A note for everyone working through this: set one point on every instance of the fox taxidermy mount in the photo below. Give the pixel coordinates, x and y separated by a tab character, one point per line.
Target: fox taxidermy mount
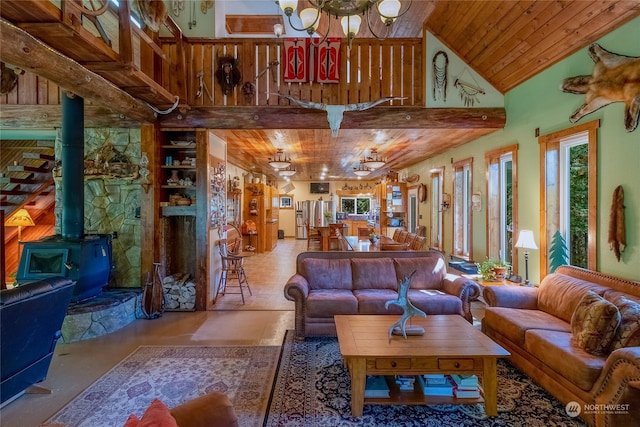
615	78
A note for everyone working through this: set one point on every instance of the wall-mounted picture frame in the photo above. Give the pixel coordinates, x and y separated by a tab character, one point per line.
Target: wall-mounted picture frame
286	201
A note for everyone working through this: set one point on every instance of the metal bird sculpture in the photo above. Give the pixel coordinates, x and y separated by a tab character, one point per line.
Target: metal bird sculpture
409	309
335	112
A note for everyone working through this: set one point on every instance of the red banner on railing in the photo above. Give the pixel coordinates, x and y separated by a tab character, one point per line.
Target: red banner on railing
296	60
327	61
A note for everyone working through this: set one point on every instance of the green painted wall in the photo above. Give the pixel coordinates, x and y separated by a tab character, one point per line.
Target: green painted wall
539	103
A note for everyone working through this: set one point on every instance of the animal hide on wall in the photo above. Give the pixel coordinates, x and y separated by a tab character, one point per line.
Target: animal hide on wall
228	75
617	231
152	12
615	78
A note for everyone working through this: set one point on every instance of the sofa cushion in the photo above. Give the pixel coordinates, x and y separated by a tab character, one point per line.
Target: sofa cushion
514	322
559	352
372	301
435	304
329	302
560	294
594	323
328	273
628	333
374	273
430	271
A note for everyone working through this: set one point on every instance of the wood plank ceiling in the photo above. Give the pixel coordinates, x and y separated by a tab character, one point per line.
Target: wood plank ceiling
506	42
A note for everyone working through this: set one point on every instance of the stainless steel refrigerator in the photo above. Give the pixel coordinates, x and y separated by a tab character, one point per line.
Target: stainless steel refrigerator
313	212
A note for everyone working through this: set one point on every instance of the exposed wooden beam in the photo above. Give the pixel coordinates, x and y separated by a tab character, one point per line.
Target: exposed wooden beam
50	117
301	118
21	49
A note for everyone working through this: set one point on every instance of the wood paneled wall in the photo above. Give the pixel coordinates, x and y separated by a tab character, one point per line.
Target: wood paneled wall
32	90
370	70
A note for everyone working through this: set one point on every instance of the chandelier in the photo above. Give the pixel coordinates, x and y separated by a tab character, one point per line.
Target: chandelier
288	171
348	10
361	170
374	161
279	161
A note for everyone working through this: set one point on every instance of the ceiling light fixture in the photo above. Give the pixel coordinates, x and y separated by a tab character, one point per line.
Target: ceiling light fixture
279	161
349	10
289	171
361	170
374	161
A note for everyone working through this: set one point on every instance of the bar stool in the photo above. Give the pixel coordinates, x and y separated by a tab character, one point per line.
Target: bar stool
232	268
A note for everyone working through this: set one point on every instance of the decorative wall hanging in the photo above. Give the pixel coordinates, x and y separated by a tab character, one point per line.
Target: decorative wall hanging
152	12
228	75
336	112
205	5
327	61
615	78
617	231
296	60
8	79
440	70
177	6
468	91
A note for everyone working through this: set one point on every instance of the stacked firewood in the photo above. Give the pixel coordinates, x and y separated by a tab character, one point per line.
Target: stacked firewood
180	292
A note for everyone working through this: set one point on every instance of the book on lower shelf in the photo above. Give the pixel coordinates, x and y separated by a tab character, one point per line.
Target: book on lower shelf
430	389
376	386
465	381
466	393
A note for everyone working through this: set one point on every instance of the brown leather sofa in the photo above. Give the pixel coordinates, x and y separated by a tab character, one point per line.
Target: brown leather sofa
330	283
534	324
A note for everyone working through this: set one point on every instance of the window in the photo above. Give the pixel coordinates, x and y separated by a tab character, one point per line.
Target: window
437	178
568	182
462	208
286	202
502	203
355	205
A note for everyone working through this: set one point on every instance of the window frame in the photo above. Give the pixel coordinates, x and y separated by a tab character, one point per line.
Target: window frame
355	203
548	144
462	229
437	214
495	157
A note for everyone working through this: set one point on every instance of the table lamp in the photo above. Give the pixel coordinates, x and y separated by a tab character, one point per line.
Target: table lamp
526	241
20	219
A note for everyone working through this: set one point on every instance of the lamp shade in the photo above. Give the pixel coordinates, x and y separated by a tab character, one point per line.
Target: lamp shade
20	219
526	240
351	25
310	18
389	10
288	6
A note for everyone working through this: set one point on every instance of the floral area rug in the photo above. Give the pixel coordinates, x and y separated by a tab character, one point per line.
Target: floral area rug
312	388
175	375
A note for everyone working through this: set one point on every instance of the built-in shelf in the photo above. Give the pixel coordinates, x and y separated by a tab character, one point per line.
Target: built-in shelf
179	210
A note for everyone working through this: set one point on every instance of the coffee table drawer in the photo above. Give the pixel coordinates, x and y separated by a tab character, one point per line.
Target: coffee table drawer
402	363
457	363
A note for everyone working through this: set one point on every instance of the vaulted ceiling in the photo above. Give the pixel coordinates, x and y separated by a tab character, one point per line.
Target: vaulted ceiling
506	42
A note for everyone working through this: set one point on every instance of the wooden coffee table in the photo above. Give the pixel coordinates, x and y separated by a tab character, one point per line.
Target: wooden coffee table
450	345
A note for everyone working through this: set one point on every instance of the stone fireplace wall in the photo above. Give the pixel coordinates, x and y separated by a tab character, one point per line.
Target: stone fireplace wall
111	196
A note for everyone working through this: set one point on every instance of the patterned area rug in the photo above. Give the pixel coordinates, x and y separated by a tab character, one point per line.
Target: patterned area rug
312	388
175	375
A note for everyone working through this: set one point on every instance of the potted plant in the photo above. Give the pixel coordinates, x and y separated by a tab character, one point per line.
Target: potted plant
373	237
493	270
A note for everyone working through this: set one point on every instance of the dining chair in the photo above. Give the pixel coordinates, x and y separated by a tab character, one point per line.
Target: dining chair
410	238
364	231
396	234
335	231
313	235
418	243
402	236
232	268
344	243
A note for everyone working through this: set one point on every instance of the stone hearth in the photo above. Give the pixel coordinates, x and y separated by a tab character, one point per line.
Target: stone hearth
106	313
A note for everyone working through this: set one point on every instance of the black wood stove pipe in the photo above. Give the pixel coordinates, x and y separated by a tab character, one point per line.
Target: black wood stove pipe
72	157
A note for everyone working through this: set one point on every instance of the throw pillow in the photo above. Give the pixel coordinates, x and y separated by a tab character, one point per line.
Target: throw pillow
156	415
628	334
594	323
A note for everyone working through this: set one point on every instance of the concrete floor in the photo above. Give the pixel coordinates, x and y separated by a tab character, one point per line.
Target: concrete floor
263	320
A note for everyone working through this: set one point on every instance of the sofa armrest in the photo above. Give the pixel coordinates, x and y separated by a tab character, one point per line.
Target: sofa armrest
465	289
511	297
619	384
297	290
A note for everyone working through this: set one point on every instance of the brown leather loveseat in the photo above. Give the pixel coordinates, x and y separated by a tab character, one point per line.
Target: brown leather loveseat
558	335
330	283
